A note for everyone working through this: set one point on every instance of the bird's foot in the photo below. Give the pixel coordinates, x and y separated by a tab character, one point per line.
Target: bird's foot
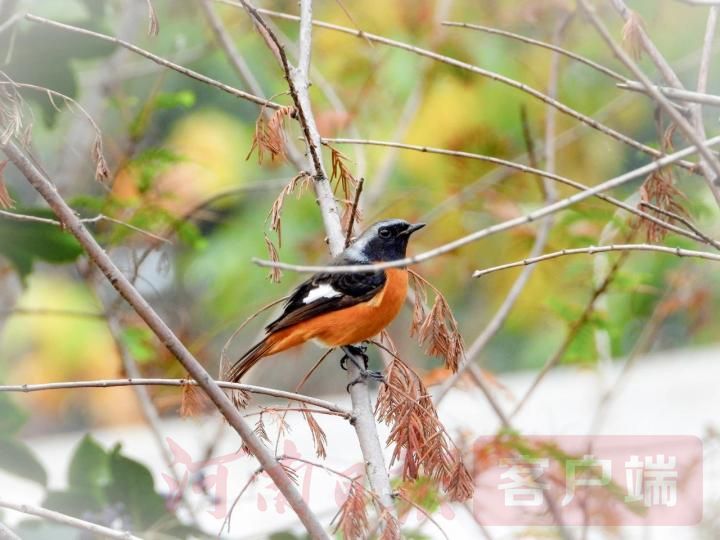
353	353
364	376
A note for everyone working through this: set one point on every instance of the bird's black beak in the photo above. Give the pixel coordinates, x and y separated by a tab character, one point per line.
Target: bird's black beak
412	228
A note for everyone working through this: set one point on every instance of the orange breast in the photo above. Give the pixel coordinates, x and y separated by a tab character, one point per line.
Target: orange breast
350	325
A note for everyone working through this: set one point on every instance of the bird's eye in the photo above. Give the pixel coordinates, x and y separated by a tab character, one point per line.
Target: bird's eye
384	233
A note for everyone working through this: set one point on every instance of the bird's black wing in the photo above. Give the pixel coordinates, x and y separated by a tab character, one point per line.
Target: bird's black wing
325	292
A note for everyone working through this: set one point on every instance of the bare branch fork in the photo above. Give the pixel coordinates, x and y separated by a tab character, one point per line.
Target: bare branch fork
158	60
485	73
298	82
538	172
504	226
126	289
710	163
592	250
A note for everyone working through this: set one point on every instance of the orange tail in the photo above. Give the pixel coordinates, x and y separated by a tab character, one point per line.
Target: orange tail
249	359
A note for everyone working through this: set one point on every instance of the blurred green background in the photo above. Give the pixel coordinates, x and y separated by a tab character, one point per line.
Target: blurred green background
172	143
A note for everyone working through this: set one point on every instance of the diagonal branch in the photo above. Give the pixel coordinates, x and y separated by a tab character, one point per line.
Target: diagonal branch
569	111
538	172
550	46
500	227
64	519
158	60
710	164
592	250
298	82
125	288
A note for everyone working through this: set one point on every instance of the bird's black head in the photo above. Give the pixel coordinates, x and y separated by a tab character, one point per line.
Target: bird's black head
384	241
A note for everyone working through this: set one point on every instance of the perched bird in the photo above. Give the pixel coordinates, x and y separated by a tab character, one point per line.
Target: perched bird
342	309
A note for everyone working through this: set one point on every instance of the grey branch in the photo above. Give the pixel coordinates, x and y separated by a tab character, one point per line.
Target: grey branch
674	93
532	170
158	60
592	250
550	46
113	383
70	521
485	73
500	227
125	288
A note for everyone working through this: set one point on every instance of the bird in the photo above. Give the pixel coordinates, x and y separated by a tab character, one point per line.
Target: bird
342	309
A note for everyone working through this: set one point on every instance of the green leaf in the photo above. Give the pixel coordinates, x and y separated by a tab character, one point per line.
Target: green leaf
170	100
132	484
12	417
89	469
18	459
22	243
139	343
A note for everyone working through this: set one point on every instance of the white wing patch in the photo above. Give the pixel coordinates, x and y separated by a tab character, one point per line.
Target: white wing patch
321	291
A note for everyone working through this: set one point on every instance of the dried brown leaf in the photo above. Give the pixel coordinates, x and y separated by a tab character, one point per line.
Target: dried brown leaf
659	190
193	400
460	486
291	473
353	518
341	173
318	435
421	444
632	35
260	431
440	335
240	398
391	527
102	171
298	184
6	201
275	274
270	134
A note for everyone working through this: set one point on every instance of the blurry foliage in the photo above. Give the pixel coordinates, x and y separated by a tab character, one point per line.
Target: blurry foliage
173	143
24	243
108	488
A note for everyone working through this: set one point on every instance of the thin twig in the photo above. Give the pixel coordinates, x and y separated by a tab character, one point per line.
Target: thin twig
410	108
100	217
574	329
500	227
653	52
70	521
298	82
704	68
485	73
682	219
599	67
592	250
353	212
543	235
112	383
525	169
674	93
158	60
125	288
710	163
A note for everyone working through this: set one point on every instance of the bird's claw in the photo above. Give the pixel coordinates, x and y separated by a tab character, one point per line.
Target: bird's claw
364	376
